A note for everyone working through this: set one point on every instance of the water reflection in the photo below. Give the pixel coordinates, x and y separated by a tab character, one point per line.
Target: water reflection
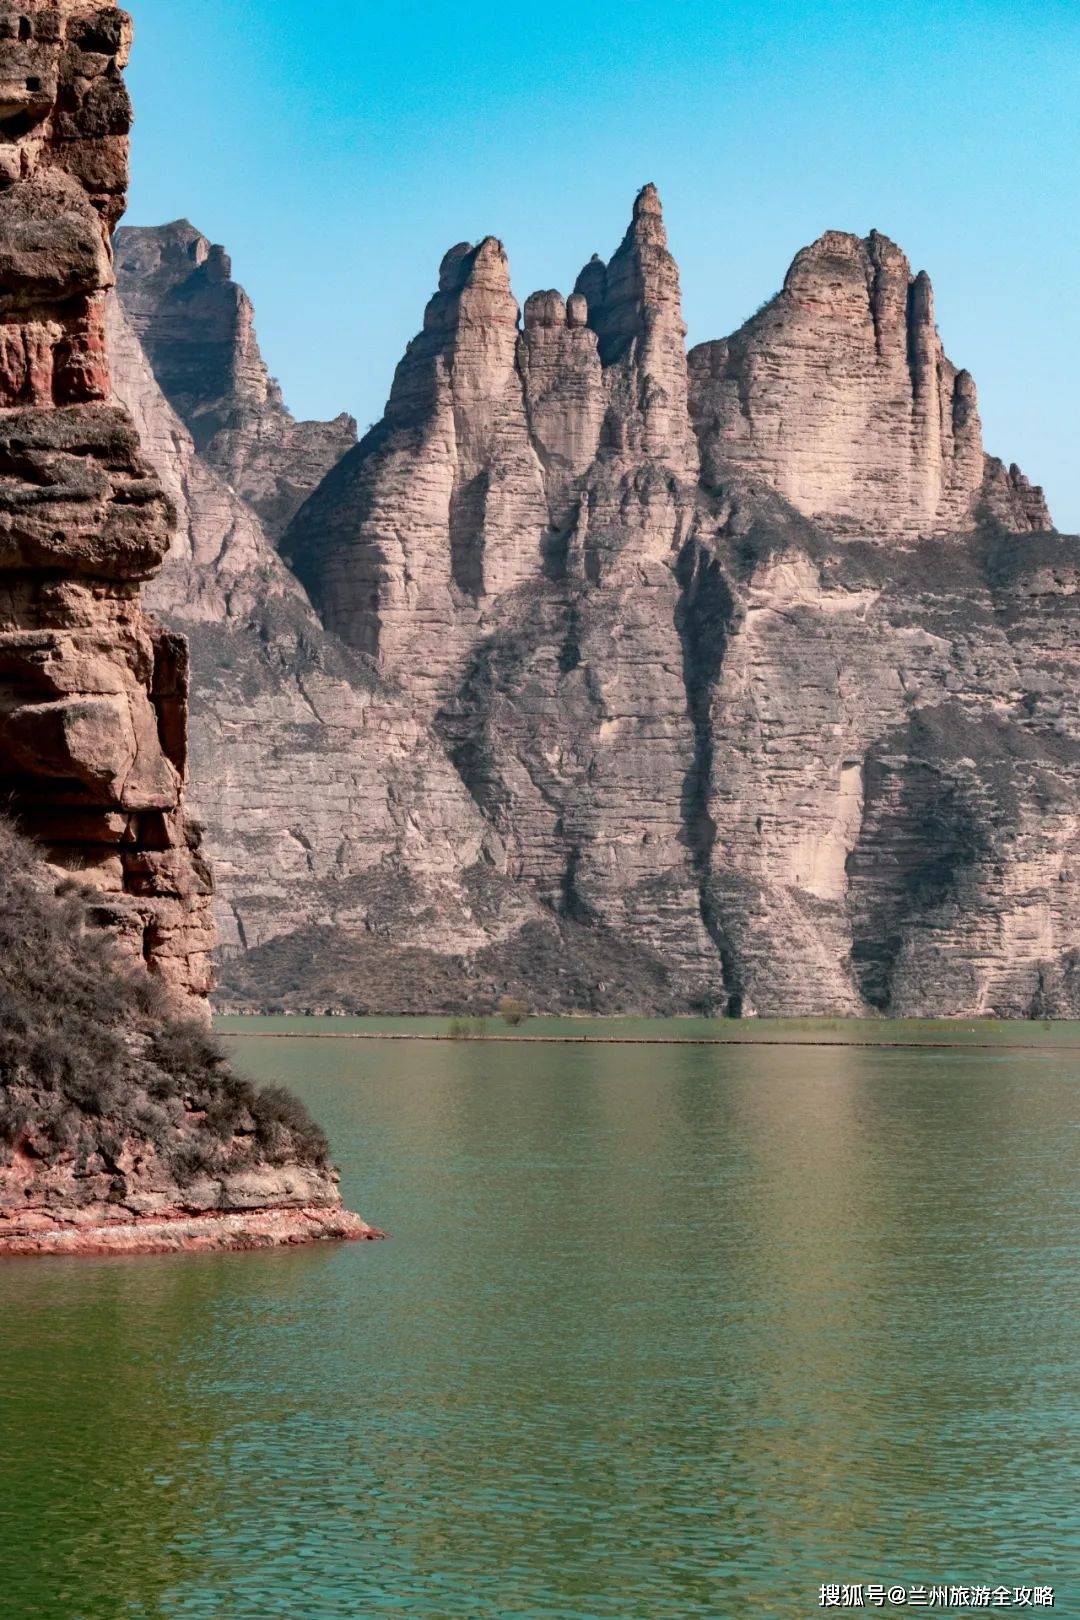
660	1332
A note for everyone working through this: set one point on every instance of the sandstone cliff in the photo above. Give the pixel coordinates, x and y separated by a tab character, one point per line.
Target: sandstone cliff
93	694
198	329
755	671
838	394
93	737
352	864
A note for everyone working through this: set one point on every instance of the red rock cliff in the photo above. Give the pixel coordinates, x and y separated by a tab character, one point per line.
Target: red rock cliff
121	1127
93	693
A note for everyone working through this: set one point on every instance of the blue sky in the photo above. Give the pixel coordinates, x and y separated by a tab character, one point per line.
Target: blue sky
338	147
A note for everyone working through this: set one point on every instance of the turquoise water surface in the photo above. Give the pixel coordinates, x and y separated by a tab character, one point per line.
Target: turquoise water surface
660	1331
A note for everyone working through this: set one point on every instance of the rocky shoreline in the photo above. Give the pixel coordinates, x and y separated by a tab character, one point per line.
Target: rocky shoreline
95	1232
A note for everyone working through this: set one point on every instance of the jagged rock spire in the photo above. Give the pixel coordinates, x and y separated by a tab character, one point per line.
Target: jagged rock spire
467	343
678	710
640	281
197	326
635	309
443	505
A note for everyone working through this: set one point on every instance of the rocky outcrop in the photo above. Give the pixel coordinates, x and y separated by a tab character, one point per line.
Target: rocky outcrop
122	1128
501	546
353	867
93	694
120	1125
838	394
198	328
325	796
443	503
698	732
892	779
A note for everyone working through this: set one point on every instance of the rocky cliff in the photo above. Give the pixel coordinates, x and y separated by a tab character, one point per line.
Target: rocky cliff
838	394
352	864
93	738
198	330
746	679
93	694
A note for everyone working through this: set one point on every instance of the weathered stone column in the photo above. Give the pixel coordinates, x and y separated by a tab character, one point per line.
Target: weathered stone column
93	693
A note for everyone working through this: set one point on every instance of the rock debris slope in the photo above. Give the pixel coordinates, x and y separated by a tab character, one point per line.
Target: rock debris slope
121	1128
755	670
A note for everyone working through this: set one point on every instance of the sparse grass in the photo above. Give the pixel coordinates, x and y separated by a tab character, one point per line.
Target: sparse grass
92	1057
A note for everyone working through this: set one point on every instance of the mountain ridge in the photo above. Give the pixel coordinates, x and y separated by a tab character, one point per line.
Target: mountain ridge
735	734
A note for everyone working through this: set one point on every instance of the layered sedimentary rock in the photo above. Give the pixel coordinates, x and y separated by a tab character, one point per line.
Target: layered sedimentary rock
892	778
444	501
198	328
120	1125
768	710
501	544
353	867
838	394
93	694
328	802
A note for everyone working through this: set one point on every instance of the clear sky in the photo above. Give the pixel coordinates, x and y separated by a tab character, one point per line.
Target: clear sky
338	147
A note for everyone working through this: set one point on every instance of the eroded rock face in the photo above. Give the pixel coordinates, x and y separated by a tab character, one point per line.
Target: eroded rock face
93	694
321	789
686	729
121	1127
443	503
838	394
502	544
352	864
198	328
893	758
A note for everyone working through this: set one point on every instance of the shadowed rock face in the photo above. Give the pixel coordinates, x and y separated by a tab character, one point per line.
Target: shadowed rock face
839	395
729	737
93	694
198	328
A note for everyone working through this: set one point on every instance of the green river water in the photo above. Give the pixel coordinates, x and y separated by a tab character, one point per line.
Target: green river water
660	1331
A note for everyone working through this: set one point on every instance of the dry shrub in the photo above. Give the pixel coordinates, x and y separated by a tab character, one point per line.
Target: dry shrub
90	1051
